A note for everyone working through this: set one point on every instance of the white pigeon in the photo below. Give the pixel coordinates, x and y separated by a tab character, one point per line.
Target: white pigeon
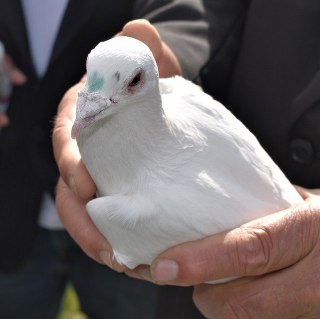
170	163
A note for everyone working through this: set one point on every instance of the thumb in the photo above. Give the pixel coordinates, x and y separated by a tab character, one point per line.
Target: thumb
144	31
17	77
261	246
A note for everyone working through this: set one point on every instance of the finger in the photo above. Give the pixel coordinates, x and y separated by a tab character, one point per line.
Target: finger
66	150
286	294
17	77
144	31
4	120
74	216
308	193
253	249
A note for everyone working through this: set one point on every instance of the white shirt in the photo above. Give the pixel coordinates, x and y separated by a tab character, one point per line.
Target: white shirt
43	19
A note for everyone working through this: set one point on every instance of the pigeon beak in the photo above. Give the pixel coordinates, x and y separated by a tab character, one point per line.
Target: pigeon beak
89	106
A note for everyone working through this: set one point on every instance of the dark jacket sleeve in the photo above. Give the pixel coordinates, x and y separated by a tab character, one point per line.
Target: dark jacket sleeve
182	25
226	21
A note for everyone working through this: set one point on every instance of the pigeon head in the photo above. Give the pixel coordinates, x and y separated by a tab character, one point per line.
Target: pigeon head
120	71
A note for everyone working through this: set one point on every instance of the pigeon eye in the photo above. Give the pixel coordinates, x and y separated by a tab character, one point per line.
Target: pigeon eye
135	81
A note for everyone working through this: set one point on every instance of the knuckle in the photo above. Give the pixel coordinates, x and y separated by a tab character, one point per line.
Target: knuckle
252	250
191	272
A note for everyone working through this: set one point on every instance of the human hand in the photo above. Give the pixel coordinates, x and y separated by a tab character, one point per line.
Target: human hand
277	256
17	77
75	187
142	30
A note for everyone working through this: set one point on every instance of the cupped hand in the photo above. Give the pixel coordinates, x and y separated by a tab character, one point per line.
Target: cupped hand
277	258
76	187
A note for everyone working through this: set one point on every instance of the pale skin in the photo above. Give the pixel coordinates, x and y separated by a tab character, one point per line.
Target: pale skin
277	256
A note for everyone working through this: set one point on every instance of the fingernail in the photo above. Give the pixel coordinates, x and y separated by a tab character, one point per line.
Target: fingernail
105	258
164	270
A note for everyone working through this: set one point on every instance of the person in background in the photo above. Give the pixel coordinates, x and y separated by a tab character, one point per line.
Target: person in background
48	42
264	67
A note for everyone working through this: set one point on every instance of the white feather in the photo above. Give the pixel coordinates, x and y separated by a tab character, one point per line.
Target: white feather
170	163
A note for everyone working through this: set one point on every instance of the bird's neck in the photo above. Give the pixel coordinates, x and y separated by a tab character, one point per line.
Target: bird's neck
127	145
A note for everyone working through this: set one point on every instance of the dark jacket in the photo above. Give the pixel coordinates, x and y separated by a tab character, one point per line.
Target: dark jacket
27	166
264	66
